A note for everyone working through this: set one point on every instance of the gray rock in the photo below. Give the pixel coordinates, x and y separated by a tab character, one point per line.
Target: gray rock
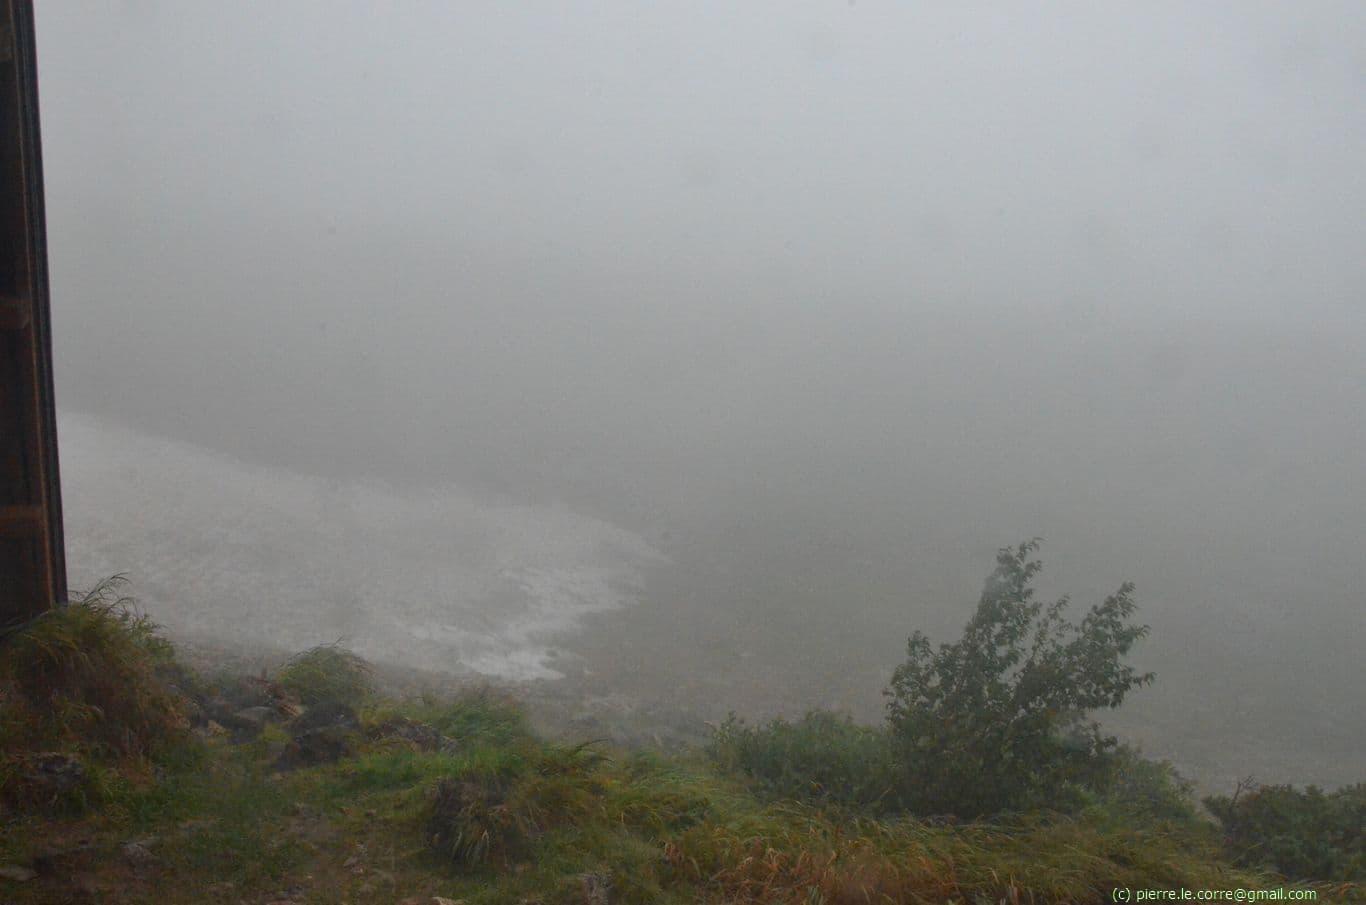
254	718
53	772
320	735
421	735
324	715
16	873
138	853
245	723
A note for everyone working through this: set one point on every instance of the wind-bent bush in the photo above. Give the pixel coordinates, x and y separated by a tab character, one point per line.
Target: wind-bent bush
1137	791
996	721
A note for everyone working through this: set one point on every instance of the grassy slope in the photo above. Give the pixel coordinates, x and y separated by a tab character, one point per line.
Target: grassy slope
515	818
224	827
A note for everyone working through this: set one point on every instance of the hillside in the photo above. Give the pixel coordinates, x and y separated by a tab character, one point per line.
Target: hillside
132	777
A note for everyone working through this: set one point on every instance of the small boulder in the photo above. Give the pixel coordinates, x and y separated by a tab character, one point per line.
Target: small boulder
420	735
254	718
324	715
247	723
138	853
320	735
50	774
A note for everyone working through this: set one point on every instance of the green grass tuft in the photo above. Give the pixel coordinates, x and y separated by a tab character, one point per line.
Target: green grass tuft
83	679
480	715
496	812
822	759
328	672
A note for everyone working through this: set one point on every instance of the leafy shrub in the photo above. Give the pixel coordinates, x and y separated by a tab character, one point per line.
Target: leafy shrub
1138	791
995	721
823	759
328	672
1305	835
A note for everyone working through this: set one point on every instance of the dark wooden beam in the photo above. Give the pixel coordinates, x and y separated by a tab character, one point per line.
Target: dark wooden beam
32	557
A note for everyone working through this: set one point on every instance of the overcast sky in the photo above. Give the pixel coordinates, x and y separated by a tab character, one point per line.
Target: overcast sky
870	288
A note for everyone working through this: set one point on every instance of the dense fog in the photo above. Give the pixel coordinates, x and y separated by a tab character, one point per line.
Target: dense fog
711	349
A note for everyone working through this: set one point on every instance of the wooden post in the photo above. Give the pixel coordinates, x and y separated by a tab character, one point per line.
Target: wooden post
32	558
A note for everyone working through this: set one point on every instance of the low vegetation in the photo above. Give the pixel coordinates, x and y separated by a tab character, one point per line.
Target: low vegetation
997	721
824	759
1299	832
88	681
456	797
991	724
328	672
